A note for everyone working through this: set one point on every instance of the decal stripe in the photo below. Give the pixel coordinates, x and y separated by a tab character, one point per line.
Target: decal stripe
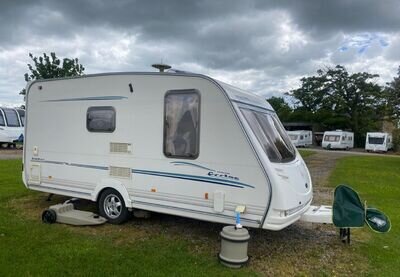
206	179
192	164
201	178
94	98
184	177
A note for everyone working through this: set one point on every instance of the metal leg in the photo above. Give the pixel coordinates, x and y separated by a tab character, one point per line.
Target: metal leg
344	234
49	197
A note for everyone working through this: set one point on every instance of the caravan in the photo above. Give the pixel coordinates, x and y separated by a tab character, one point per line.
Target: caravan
154	142
301	138
11	125
338	140
378	142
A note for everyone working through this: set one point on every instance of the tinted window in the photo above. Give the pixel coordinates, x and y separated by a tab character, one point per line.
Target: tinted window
271	135
181	124
376	140
331	138
100	119
2	122
11	117
22	116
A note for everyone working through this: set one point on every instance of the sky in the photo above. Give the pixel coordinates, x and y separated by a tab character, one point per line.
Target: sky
261	46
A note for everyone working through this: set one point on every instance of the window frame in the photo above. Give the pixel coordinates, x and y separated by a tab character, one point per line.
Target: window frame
177	92
99	108
6	118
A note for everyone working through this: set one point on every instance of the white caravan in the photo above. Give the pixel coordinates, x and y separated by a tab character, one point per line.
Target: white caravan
11	125
338	140
175	143
301	138
378	142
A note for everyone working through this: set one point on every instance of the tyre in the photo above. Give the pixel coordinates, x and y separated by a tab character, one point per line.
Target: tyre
112	206
49	216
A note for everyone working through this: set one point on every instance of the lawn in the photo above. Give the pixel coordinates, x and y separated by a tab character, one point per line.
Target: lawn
166	245
28	247
377	179
305	153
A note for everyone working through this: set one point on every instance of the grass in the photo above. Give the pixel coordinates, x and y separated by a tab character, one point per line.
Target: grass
306	153
166	245
377	179
28	247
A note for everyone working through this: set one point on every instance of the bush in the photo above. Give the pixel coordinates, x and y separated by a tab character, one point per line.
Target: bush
396	140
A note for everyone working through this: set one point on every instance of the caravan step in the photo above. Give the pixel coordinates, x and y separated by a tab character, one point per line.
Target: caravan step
318	214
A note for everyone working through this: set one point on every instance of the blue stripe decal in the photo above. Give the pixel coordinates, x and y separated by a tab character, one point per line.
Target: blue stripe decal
192	164
94	98
194	178
206	179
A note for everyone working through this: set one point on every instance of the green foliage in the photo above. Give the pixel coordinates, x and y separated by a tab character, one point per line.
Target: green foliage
337	99
280	106
393	94
396	139
48	67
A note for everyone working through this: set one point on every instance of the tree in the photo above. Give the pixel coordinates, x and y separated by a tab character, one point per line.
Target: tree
280	106
393	94
338	99
48	67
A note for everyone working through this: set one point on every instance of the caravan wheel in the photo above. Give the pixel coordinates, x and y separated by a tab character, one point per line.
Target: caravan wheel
112	206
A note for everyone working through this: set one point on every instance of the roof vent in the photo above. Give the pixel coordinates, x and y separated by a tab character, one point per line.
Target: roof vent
161	66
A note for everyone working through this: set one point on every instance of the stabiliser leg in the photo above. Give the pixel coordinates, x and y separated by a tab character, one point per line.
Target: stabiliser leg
344	234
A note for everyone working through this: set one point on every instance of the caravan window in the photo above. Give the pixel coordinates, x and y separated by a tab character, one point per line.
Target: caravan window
22	116
11	117
271	135
182	124
376	140
100	119
2	122
332	138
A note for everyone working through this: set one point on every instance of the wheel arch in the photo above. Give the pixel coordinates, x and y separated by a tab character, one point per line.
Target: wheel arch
113	184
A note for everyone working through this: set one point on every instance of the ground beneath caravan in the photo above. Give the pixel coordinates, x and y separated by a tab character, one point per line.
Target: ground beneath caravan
301	249
10	154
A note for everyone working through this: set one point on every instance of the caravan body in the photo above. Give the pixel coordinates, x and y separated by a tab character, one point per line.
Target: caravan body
11	125
378	142
301	138
338	140
175	143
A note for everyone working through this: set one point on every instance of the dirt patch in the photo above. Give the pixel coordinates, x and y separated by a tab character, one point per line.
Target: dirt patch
10	153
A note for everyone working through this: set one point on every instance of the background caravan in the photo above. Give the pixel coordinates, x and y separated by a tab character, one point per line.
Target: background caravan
175	143
338	140
378	142
301	138
11	125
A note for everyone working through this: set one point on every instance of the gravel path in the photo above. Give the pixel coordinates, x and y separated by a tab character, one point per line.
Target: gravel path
10	154
320	166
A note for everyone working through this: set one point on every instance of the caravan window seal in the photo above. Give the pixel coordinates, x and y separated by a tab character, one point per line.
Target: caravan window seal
197	137
3	122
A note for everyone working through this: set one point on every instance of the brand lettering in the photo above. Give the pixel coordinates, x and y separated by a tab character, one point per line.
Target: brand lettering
222	175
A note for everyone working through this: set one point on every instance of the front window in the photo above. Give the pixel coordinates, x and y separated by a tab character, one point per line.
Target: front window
332	138
2	122
271	135
22	116
11	117
376	140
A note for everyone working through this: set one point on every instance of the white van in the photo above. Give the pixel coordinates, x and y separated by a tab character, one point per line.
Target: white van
378	142
11	125
301	138
174	143
338	140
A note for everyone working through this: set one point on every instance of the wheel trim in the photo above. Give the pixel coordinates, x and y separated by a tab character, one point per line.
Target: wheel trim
112	206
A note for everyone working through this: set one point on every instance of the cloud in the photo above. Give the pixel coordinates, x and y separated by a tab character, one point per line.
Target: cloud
262	46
